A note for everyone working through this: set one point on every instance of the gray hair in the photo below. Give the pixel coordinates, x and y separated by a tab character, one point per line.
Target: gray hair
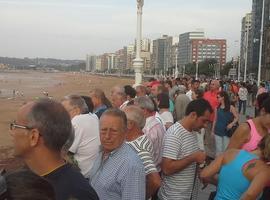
117	113
145	103
77	101
135	114
119	90
52	121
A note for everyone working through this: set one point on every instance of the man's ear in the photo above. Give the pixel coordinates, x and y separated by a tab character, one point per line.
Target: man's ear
34	137
130	124
193	115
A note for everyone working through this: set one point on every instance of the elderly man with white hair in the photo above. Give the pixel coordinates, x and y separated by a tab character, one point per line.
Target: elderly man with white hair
119	97
86	142
153	129
143	146
181	102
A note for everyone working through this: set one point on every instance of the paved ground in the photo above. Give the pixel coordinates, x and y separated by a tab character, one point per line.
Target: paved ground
204	194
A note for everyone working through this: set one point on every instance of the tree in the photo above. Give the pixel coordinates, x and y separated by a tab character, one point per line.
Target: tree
206	67
226	68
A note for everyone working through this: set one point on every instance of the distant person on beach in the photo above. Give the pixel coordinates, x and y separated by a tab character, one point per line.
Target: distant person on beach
39	133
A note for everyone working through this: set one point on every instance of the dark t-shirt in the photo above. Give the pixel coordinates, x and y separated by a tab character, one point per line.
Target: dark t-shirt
69	183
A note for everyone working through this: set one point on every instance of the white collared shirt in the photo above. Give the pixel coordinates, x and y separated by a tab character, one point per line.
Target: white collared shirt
86	141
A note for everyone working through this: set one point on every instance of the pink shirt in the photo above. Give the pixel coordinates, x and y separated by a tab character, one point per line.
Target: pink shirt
255	137
154	130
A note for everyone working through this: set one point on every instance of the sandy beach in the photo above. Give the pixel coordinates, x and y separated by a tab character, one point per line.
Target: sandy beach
30	85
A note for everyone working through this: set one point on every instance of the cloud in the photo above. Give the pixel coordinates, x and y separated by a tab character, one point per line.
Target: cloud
72	28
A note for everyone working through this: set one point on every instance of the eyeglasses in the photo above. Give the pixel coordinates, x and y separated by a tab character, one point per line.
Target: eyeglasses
13	125
3	185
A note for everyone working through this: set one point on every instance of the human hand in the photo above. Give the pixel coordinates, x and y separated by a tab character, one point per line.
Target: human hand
199	157
229	126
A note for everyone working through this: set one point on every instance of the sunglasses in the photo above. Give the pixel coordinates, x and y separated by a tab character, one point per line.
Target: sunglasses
13	126
3	185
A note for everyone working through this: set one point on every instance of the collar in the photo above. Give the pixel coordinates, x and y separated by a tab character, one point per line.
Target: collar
102	107
112	153
124	104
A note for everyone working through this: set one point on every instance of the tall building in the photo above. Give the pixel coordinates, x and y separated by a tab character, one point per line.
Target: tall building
121	59
209	49
257	6
246	42
87	63
184	47
174	56
145	53
130	55
104	62
111	62
98	63
145	45
90	63
162	51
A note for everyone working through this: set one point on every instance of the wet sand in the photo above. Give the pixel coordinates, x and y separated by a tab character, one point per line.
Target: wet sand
30	85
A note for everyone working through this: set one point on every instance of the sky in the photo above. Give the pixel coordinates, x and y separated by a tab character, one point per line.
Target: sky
70	29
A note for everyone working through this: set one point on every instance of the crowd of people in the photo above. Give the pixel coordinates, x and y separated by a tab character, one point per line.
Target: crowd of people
162	140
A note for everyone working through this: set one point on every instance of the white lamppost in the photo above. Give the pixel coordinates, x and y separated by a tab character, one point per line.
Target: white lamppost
184	70
176	64
239	68
138	61
261	43
246	55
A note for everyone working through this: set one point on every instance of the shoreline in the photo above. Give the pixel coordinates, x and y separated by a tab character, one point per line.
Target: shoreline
32	84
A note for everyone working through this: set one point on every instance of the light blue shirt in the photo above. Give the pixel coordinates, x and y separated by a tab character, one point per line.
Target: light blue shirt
121	176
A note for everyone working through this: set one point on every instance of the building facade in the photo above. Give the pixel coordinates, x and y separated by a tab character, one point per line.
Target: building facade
90	63
257	6
162	51
184	46
130	55
246	43
203	49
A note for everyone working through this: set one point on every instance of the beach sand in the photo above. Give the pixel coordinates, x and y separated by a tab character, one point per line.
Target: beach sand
30	85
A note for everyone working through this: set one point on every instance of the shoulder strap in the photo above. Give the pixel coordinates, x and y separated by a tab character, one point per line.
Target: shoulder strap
194	181
248	125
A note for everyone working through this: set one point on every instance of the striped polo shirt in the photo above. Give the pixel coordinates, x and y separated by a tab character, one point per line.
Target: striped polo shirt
144	148
178	144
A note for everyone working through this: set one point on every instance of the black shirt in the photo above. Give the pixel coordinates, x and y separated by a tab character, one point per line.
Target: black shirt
69	183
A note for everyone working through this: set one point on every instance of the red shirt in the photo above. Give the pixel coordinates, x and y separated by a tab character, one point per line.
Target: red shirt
211	97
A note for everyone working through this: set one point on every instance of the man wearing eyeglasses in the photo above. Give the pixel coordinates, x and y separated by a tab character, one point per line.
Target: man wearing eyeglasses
39	133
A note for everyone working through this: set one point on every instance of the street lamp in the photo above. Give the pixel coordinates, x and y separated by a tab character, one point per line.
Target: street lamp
184	70
197	60
197	68
246	55
261	43
176	63
138	61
